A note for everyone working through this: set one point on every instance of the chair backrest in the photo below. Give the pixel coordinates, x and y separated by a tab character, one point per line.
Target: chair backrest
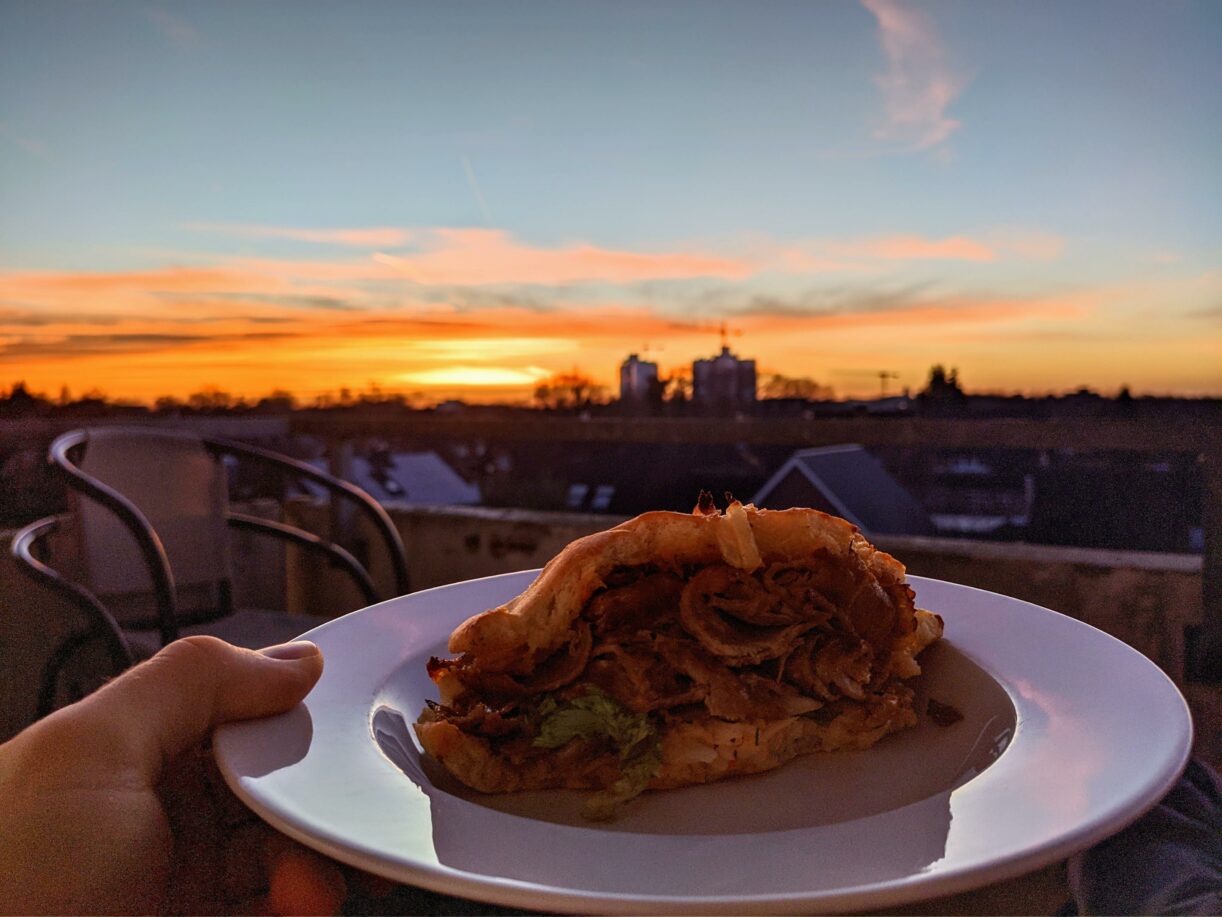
56	643
182	490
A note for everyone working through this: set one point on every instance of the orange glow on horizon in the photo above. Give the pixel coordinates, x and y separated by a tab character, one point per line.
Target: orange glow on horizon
476	377
250	326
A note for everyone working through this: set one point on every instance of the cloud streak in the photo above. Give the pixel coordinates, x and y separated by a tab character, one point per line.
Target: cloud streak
918	85
368	237
448	259
487	256
76	346
30	145
916	248
180	33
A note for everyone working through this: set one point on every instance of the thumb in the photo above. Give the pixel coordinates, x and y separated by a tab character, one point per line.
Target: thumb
156	711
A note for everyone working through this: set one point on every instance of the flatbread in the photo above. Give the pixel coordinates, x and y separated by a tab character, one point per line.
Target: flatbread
737	641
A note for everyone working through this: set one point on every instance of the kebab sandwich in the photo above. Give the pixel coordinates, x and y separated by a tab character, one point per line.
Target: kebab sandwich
679	649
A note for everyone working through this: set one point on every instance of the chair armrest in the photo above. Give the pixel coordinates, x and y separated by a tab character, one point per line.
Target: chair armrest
100	621
151	548
333	552
381	520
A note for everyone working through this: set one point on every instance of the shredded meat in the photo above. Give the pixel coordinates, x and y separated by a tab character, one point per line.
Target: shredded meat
560	668
481	719
644	604
732	695
799	588
637	676
782	642
824	580
742	596
845	666
712	618
872	614
842	666
563	665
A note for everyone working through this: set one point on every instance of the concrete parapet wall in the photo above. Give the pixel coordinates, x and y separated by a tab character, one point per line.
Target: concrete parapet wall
444	544
1147	600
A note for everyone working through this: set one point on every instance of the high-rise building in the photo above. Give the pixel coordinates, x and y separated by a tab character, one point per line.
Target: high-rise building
724	382
638	379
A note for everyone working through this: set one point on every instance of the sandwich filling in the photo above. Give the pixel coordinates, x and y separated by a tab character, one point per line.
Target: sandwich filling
673	671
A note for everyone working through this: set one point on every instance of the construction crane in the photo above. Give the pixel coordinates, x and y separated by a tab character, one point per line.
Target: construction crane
725	331
648	349
883	376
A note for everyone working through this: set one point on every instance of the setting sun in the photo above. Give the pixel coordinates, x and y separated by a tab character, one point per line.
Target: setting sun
476	377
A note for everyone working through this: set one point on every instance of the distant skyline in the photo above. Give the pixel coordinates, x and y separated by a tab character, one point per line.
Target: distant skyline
464	198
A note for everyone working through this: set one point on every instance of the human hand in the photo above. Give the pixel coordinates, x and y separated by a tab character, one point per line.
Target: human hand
110	805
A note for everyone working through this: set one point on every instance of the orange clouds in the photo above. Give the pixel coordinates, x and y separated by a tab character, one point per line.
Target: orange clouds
59	284
442	256
917	248
487	256
865	254
481	307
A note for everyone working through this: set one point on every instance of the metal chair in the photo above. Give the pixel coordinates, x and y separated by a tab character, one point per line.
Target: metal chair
151	523
75	648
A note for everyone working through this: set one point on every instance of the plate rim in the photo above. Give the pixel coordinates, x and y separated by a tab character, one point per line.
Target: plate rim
914	887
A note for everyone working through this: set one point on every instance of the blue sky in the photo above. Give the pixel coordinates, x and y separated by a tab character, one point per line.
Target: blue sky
1075	144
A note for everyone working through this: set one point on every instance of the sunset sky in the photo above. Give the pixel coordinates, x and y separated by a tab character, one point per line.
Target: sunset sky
463	198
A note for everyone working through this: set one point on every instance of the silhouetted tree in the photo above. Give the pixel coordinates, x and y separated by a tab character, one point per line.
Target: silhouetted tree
21	402
568	390
276	402
210	398
781	386
942	383
942	394
679	385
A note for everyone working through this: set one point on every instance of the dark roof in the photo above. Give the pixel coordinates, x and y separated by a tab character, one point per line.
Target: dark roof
847	481
412	478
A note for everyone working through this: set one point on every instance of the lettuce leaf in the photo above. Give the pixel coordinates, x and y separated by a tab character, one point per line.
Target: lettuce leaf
596	715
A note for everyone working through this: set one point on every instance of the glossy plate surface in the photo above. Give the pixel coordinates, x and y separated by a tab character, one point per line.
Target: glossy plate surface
1067	735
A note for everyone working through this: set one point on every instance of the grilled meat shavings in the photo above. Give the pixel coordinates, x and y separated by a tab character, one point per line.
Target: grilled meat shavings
728	694
558	670
643	604
482	720
641	678
712	617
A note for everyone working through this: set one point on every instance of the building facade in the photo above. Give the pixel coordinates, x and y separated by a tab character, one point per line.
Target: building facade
638	380
724	382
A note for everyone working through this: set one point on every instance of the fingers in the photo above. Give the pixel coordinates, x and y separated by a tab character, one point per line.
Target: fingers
156	711
189	799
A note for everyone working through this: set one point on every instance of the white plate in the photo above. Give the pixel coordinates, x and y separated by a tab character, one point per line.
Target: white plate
1067	736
